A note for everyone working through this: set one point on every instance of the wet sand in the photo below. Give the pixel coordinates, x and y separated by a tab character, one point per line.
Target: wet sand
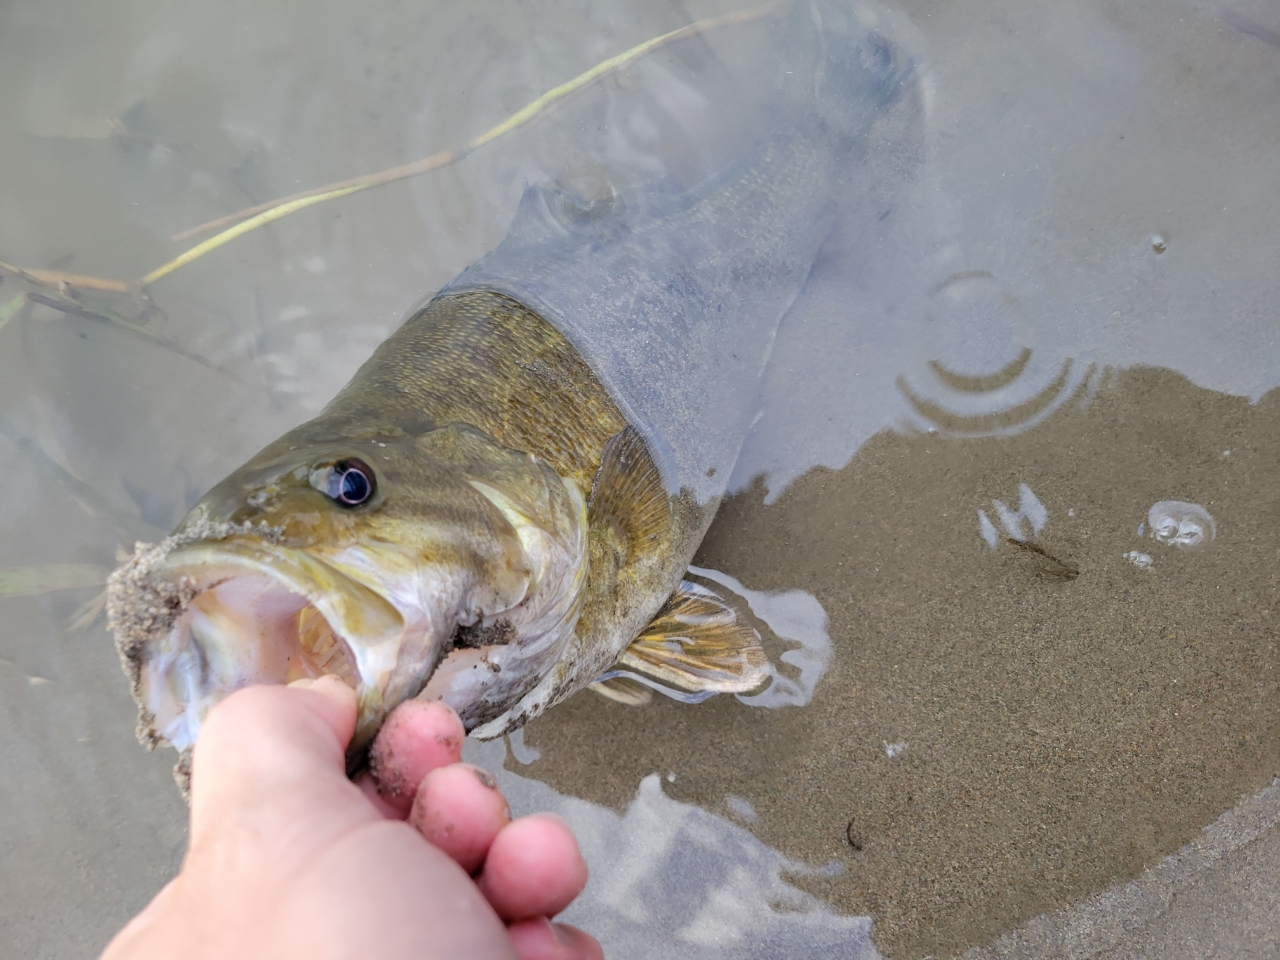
1061	734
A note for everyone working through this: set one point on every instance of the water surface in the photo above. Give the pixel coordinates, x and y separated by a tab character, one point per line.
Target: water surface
1059	280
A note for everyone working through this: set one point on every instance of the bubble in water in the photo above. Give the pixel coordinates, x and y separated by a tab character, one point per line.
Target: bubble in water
1186	526
1140	560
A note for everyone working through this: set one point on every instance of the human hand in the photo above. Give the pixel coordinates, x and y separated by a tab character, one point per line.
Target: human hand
288	858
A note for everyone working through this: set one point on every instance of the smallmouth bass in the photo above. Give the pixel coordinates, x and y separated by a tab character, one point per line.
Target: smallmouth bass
500	507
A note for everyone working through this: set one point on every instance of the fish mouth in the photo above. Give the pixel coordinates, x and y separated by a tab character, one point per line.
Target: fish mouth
261	613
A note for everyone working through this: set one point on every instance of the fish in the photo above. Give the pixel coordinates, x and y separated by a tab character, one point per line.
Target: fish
499	509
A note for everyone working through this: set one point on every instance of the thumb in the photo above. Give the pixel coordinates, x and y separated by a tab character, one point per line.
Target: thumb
268	755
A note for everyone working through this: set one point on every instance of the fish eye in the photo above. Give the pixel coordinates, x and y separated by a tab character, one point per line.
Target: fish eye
348	483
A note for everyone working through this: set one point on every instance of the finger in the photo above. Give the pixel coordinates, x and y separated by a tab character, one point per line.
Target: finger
364	780
540	939
336	704
274	752
460	810
378	891
417	738
533	868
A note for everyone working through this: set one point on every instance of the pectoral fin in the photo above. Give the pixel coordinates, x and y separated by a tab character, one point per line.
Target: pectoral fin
697	646
628	500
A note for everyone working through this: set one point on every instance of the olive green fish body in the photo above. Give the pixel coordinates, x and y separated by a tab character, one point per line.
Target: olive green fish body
482	359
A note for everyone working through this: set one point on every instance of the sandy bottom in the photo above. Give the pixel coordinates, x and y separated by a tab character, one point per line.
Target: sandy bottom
1061	734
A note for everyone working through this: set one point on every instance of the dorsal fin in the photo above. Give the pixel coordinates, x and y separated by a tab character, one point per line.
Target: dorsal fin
697	646
628	494
551	210
555	210
535	217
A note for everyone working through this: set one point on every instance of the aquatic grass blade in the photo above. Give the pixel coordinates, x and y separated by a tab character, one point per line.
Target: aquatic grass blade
30	581
266	213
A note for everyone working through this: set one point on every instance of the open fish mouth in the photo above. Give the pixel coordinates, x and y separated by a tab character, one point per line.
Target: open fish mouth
196	621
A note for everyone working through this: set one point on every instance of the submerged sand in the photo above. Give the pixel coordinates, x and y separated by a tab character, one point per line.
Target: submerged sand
1060	734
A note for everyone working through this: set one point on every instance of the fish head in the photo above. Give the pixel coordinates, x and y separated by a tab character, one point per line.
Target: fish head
361	558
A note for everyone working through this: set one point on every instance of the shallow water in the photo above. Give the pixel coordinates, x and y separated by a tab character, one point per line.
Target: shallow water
1051	310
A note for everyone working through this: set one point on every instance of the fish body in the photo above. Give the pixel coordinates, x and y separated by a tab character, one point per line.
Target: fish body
511	488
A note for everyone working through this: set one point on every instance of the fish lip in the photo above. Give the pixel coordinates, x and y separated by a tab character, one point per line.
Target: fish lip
312	577
372	627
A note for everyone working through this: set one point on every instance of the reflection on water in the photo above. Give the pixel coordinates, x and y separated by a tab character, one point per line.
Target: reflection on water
971	736
709	886
1187	526
794	621
1031	513
792	627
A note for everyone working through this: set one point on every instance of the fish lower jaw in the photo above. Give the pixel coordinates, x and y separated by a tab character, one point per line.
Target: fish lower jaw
255	628
525	709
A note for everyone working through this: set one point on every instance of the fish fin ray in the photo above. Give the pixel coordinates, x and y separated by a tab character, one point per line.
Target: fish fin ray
622	690
628	491
698	643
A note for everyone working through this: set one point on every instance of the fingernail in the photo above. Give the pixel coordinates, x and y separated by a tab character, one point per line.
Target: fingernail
487	779
484	776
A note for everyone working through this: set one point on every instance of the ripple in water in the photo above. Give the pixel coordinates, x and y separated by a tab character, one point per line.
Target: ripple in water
1140	560
1187	526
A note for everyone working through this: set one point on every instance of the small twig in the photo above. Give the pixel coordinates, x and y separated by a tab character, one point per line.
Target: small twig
74	309
12	308
262	214
57	291
67	307
1046	562
58	278
62	288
